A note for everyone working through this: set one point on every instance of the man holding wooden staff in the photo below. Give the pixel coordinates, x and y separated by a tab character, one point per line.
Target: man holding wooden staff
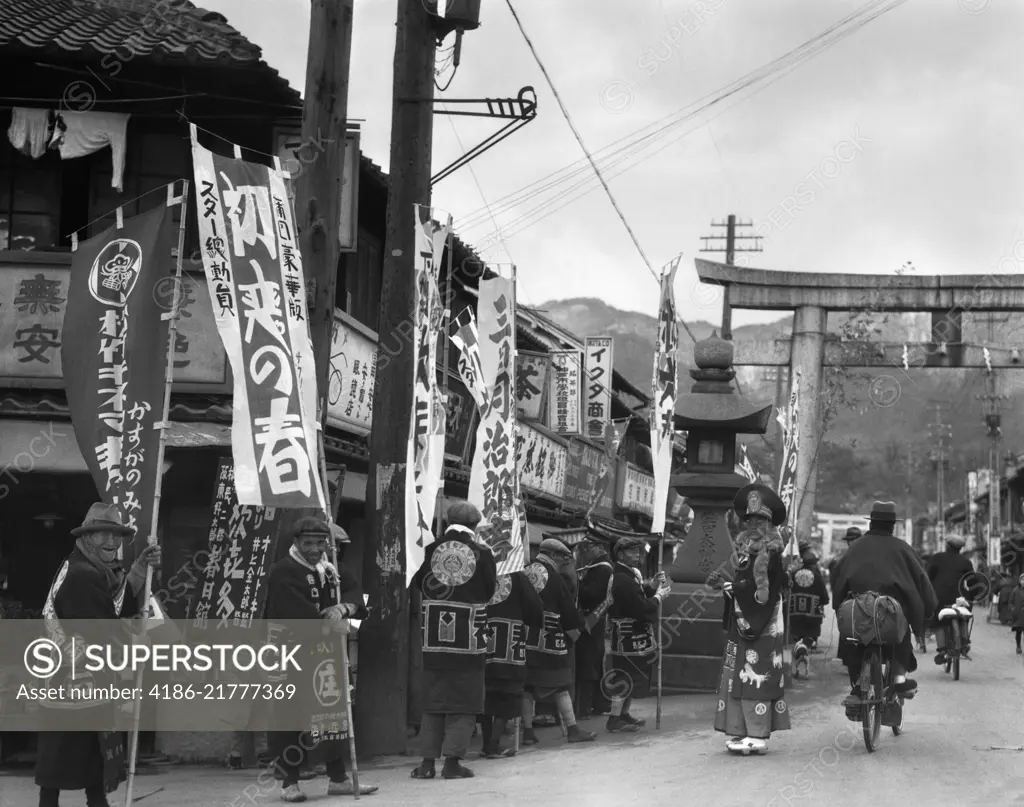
301	587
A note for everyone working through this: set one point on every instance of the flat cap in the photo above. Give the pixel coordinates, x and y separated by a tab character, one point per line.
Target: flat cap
629	542
955	539
311	525
554	546
464	514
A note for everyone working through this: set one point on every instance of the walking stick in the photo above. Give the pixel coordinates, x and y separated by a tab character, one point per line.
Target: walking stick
172	318
661	555
345	683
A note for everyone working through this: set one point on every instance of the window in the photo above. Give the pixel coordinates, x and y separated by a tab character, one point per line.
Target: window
30	192
710	452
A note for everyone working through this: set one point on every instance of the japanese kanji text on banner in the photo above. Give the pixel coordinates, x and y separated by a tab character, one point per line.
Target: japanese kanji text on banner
565	392
598	404
787	419
256	283
494	483
664	392
114	354
466	337
745	466
425	458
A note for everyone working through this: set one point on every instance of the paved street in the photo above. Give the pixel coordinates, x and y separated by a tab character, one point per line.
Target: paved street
946	755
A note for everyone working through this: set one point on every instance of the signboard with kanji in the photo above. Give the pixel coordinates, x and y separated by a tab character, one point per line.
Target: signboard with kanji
33	301
636	490
352	376
541	461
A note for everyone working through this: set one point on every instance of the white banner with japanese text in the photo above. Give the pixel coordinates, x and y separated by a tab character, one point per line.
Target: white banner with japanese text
787	420
565	391
425	457
542	461
494	481
531	383
598	405
663	390
745	467
252	262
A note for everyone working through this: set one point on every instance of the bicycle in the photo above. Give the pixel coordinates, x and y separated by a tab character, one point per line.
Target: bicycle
881	705
957	623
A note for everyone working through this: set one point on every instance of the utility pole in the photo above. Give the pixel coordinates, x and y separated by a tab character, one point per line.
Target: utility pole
318	192
941	434
381	710
730	251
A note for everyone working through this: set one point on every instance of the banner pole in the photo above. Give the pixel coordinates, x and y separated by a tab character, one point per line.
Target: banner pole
172	318
661	556
345	679
446	328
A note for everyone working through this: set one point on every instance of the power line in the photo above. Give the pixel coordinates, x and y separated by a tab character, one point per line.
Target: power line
590	158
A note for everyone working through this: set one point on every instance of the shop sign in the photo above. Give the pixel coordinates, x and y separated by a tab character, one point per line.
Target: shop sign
565	391
541	461
599	386
460	422
353	375
33	301
635	490
531	382
582	474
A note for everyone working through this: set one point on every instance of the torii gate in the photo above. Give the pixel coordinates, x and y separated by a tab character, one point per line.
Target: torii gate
812	295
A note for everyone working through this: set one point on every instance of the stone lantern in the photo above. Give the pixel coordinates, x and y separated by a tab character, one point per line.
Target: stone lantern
713	415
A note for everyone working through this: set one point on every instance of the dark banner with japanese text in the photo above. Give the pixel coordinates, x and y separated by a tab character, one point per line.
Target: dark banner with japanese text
788	419
254	272
663	391
232	589
114	354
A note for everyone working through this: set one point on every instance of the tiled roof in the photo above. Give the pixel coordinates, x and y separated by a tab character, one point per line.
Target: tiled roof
151	29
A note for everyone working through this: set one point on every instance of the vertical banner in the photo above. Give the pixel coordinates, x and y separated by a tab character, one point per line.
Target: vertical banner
598	406
613	442
663	390
787	420
114	354
425	457
466	337
258	289
745	467
532	371
565	391
494	481
234	585
972	507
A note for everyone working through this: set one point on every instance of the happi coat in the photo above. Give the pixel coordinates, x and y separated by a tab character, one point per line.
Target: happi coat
633	615
514	609
549	666
751	698
76	760
457	578
594	598
807	601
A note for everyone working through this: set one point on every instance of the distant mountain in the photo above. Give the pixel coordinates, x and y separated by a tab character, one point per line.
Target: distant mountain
879	442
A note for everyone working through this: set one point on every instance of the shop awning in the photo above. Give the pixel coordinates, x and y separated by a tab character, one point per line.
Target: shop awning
538	531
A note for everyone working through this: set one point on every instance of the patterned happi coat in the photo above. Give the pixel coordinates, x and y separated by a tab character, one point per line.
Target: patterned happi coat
457	579
633	615
549	665
514	609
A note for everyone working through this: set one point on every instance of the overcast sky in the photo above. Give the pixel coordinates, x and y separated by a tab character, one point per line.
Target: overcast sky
898	143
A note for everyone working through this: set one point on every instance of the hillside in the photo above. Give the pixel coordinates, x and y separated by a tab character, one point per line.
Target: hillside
869	450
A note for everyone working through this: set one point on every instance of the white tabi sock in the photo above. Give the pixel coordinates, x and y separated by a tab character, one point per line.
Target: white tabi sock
564	704
617	704
527	710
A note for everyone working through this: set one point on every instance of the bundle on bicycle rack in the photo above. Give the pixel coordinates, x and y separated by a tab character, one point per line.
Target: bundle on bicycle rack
872	619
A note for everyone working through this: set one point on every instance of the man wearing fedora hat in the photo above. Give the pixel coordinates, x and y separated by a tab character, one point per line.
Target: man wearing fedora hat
852	534
90	585
880	562
301	586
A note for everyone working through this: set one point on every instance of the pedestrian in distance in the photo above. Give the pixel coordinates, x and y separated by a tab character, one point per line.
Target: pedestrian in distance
1017	611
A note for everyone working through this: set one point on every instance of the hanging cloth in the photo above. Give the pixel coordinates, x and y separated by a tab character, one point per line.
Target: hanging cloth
29	131
80	133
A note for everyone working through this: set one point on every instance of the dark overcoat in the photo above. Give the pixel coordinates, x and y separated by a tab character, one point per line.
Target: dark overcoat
951	575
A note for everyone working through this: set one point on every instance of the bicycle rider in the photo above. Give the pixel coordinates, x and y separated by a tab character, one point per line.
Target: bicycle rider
882	563
952	575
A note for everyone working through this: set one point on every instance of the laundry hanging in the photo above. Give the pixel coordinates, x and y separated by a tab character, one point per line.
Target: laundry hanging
29	131
78	134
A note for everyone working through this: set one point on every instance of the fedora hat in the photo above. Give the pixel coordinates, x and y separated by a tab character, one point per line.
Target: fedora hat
103	518
883	511
852	534
757	499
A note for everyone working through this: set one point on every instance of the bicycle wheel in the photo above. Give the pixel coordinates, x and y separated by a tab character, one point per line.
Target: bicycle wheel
871	689
955	644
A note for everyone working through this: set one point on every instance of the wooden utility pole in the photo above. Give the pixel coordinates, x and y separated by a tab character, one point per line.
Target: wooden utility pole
381	708
318	190
730	258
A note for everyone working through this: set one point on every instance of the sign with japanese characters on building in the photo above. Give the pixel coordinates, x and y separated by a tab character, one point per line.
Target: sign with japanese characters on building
565	391
493	482
541	460
33	302
353	375
636	490
232	589
258	292
531	383
114	356
586	470
462	416
597	404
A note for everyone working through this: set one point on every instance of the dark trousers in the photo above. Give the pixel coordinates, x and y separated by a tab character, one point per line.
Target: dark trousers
1017	632
590	699
446	735
94	797
291	748
902	654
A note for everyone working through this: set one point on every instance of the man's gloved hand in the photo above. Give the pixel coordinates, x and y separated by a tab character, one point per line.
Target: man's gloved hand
338	613
716	579
148	558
